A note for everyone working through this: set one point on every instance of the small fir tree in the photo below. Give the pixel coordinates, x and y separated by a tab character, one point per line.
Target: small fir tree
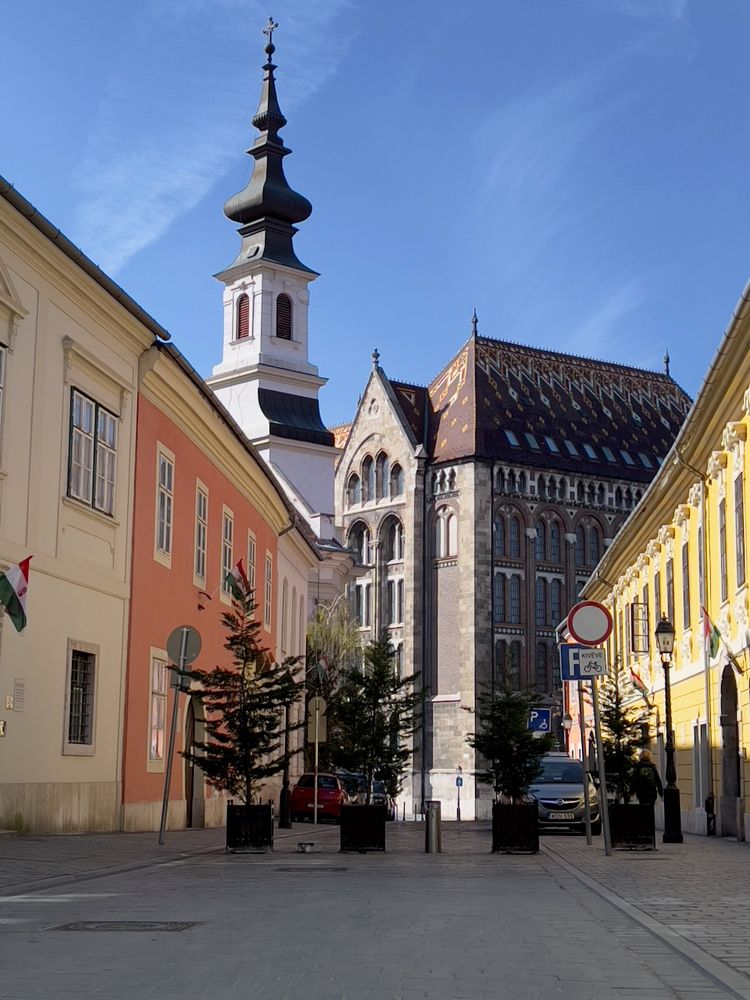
504	739
377	713
624	730
243	706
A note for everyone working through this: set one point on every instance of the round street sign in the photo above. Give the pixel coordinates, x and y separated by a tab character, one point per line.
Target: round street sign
318	705
192	644
589	623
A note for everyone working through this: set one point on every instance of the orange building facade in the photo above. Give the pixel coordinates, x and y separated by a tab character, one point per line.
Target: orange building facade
203	501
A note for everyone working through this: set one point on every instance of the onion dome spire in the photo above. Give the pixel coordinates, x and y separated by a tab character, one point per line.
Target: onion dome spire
268	207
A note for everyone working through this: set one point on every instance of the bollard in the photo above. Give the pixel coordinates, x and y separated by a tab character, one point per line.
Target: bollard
710	816
432	834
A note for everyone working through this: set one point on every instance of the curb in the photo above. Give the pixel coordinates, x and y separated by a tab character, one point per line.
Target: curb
723	975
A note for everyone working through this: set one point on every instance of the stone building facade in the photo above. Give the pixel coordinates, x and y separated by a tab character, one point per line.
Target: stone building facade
478	507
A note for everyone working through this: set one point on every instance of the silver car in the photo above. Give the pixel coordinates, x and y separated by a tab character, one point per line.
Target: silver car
558	791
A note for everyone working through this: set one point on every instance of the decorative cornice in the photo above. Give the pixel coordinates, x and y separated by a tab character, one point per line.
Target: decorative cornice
682	514
734	432
695	495
716	463
653	548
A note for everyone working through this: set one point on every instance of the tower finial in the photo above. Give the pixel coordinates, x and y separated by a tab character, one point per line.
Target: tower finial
269	30
375	358
474	324
666	363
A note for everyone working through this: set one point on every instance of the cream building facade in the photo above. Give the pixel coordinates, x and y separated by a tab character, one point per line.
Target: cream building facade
684	549
70	342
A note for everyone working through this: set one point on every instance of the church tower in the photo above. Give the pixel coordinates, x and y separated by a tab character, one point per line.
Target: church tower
265	378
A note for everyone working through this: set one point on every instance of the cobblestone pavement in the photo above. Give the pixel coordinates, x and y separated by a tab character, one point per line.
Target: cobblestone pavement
698	891
463	925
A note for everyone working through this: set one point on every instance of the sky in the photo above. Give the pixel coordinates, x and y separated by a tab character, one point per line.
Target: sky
576	170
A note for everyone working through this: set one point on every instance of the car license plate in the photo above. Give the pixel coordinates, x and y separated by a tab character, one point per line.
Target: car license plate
562	816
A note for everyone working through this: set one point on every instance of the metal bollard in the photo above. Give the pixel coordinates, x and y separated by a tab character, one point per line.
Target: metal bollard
432	836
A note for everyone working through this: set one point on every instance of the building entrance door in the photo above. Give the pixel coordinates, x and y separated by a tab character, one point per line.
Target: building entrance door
730	756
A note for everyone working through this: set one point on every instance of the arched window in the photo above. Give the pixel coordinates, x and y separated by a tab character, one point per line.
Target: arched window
600	495
594	546
523	483
541	667
359	542
515	537
554	542
541	486
451	530
579	491
501	657
353	490
382	483
243	317
515	600
394	541
397	480
540	542
556	601
540	601
368	479
446	533
511	481
499	536
283	317
498	599
561	487
515	665
500	481
452	479
580	554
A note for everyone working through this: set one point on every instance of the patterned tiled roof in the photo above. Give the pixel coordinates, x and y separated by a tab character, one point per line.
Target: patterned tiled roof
523	404
412	399
340	434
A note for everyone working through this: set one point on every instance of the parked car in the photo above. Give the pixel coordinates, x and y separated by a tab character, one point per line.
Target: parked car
331	796
355	785
558	791
380	797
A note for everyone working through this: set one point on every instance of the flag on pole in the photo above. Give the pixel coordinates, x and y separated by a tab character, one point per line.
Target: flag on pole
236	581
14	583
713	640
640	684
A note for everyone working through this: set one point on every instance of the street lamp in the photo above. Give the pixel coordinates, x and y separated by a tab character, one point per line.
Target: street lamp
567	724
285	797
672	820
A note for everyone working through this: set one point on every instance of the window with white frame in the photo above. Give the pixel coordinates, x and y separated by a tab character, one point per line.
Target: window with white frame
284	615
251	555
164	503
158	727
268	595
92	457
80	697
201	531
227	549
395	602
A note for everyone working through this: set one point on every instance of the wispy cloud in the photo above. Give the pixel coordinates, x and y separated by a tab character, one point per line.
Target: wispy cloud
672	9
609	324
170	122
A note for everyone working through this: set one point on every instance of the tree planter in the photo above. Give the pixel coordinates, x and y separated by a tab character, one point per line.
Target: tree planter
515	828
363	828
249	828
632	826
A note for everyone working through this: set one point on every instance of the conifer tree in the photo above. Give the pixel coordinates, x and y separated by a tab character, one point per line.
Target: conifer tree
505	741
624	729
243	708
377	713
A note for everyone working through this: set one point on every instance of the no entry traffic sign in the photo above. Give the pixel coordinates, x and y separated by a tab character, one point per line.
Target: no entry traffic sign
589	623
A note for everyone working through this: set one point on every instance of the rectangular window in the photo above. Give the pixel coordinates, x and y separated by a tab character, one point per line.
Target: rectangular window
723	549
164	503
658	610
589	449
608	454
533	443
685	586
92	453
366	604
572	450
639	625
670	590
626	457
201	531
268	592
227	549
512	439
739	528
550	442
251	563
515	599
159	687
80	730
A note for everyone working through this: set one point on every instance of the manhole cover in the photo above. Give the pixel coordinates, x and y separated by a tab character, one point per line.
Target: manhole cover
127	925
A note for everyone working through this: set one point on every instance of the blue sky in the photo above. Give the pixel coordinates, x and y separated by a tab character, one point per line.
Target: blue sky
575	169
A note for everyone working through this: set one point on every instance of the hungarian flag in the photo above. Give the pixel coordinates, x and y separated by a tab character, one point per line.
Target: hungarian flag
711	635
236	581
640	684
14	583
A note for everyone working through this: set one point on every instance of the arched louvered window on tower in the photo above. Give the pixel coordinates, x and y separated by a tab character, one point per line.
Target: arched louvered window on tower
242	329
540	542
284	317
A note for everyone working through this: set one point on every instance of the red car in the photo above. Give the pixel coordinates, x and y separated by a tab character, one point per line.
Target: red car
331	796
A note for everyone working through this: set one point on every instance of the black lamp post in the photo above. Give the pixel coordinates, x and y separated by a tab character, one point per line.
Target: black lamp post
285	796
672	817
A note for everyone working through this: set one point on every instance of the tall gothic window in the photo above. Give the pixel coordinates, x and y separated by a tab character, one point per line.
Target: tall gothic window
243	317
382	484
283	317
540	542
556	601
368	479
396	480
359	541
595	546
580	546
515	599
499	536
554	542
540	596
541	667
353	490
498	599
515	537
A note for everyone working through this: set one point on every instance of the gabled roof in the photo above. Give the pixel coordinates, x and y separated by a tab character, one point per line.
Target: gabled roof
496	399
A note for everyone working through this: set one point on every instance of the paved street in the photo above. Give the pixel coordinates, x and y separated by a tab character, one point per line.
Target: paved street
464	925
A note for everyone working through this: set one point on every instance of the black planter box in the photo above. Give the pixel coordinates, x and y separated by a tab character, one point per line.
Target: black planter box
632	826
363	828
249	828
515	828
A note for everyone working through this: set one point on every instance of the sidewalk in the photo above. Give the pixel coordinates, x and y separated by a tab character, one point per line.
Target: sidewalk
695	895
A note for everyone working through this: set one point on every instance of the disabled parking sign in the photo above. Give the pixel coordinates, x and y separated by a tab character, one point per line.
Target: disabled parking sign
540	720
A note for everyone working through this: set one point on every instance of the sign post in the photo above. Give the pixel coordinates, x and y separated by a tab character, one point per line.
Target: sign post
183	645
317	729
582	726
459	786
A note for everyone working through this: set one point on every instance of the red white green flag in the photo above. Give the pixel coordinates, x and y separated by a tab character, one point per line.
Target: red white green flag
237	582
640	684
711	635
14	583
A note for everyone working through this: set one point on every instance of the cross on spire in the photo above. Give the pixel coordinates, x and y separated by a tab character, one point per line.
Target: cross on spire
269	30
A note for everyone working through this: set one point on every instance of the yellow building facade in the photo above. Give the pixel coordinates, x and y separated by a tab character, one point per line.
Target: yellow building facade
683	550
